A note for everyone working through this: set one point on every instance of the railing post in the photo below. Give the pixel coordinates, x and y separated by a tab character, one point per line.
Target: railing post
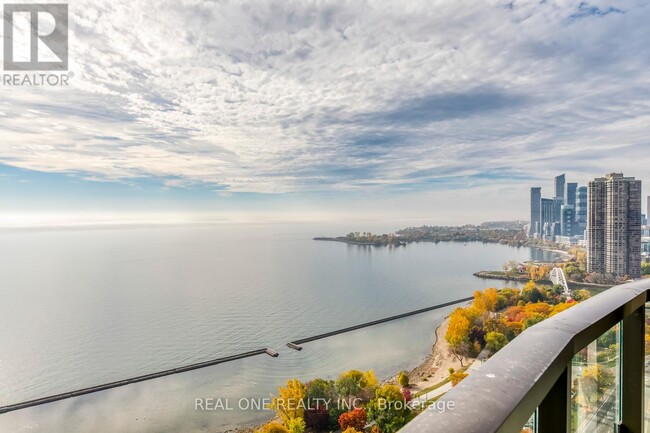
553	414
633	372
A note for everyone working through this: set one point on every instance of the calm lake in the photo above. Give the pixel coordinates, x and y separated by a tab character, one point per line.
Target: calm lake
81	307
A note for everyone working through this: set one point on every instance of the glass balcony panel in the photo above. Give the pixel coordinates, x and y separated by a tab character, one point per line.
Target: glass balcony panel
595	387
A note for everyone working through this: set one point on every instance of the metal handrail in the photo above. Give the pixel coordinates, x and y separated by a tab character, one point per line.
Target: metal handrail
534	371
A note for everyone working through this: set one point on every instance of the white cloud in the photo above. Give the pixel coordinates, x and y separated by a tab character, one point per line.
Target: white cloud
303	96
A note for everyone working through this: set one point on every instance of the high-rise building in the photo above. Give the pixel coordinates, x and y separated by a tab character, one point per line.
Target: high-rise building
614	226
547	216
581	204
568	220
597	199
557	209
535	213
559	187
571	189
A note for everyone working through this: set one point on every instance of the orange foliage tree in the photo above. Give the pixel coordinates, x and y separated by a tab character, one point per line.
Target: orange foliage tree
355	419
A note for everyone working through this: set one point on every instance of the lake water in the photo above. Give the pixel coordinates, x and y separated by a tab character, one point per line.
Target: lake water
85	307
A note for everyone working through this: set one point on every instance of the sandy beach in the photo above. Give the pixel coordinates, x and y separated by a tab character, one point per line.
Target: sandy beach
436	367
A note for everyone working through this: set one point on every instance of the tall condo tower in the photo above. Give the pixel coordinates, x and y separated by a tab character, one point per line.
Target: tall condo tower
560	181
535	211
571	189
614	226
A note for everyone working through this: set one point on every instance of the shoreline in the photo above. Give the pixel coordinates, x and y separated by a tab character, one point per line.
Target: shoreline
495	275
434	370
431	371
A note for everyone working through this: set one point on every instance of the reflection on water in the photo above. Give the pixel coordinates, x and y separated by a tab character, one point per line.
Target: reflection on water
87	307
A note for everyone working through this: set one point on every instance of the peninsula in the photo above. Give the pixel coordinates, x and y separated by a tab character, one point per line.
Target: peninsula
503	232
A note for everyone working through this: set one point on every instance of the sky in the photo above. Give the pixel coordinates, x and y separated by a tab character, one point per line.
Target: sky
419	112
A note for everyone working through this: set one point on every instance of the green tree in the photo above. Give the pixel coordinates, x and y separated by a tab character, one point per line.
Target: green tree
318	392
388	409
533	319
350	383
495	341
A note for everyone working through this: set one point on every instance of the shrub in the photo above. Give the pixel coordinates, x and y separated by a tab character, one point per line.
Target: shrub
456	376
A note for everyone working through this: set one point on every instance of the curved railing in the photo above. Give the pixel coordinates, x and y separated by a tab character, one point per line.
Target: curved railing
532	374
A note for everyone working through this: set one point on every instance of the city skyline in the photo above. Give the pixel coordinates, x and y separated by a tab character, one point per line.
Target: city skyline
605	216
427	123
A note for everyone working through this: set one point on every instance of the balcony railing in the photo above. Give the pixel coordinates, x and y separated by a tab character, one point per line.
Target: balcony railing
540	378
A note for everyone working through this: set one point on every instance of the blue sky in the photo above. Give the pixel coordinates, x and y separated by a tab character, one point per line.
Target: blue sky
429	112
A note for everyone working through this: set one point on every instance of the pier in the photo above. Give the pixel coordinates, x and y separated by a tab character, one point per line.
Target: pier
97	388
296	343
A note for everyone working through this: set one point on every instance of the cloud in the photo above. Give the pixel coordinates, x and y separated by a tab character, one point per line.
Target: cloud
301	96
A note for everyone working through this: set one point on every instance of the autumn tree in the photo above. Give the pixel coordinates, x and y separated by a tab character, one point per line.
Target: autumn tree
370	379
533	319
531	293
403	379
458	335
355	419
289	402
350	383
355	383
486	301
296	425
580	256
561	307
